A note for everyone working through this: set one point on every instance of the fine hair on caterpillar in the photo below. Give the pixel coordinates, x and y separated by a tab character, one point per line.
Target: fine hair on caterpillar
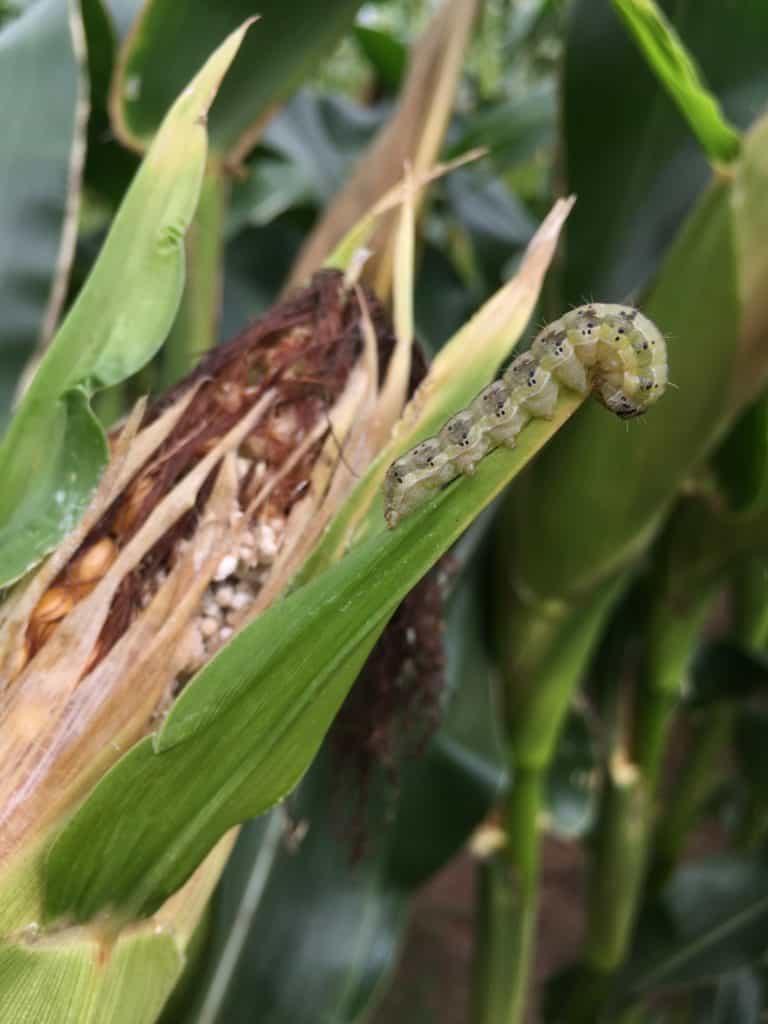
611	350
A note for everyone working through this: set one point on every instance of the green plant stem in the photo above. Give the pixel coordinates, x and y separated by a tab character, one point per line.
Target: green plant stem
618	864
673	633
626	816
654	721
544	650
194	329
522	812
700	775
508	908
615	877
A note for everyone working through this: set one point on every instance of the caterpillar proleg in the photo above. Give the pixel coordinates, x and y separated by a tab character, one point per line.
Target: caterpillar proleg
612	350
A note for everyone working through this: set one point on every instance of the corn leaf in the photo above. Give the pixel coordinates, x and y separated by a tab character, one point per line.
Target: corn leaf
673	64
651	168
42	131
618	481
91	975
54	452
171	40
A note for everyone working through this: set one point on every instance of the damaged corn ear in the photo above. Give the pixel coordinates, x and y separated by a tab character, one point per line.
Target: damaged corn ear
198	523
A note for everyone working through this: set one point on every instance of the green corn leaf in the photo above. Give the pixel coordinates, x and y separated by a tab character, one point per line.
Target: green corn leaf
40	128
741	462
279	902
69	979
651	169
171	40
117	323
618	481
669	58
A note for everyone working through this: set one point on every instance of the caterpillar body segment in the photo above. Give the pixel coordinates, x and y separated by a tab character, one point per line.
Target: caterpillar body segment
556	354
503	418
613	351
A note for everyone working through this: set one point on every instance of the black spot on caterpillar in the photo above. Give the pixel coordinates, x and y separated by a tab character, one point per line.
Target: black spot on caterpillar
612	350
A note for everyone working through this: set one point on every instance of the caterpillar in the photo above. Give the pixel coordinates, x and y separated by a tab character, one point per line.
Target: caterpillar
612	350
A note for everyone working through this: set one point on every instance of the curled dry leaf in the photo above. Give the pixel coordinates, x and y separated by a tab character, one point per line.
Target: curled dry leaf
413	135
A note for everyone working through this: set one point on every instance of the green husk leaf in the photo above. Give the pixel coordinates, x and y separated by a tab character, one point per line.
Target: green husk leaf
282	895
74	977
117	323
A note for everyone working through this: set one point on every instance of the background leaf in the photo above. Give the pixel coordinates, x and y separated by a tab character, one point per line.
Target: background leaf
718	910
671	62
651	168
319	933
43	133
170	41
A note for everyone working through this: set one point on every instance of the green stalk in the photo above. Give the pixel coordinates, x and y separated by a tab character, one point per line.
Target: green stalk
615	878
194	329
626	817
544	650
508	908
522	815
699	777
673	634
618	866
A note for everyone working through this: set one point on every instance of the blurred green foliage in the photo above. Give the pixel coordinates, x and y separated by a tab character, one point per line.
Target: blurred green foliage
630	593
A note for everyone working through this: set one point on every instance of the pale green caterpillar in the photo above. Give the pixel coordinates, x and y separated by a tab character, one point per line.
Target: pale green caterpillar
612	350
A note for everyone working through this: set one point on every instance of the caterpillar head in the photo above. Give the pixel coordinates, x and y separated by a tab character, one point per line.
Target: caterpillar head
397	473
619	403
